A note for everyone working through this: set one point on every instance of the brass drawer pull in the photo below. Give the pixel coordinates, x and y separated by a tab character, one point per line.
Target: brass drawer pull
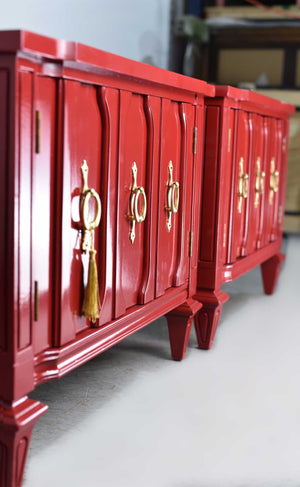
274	180
86	194
172	197
259	182
136	192
243	185
91	303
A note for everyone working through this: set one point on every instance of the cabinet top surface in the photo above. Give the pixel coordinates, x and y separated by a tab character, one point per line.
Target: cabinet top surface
18	41
255	99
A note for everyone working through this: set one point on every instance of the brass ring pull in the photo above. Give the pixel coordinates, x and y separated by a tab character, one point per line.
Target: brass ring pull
139	191
136	192
84	209
172	197
243	185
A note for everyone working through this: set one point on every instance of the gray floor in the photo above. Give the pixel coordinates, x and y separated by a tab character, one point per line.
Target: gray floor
229	417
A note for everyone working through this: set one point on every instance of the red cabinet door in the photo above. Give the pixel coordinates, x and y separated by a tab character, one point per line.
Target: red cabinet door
256	182
43	181
271	177
283	127
90	118
175	192
137	200
277	181
240	188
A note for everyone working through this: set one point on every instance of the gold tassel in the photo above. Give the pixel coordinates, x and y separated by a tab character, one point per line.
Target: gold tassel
91	302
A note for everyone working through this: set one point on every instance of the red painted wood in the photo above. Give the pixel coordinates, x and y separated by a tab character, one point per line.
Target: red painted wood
271	154
43	177
113	112
207	319
270	271
255	196
132	148
172	246
24	205
82	141
240	206
209	192
4	102
196	198
180	322
235	237
16	425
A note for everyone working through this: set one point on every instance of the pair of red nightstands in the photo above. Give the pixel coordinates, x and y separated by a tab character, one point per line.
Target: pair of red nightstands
125	185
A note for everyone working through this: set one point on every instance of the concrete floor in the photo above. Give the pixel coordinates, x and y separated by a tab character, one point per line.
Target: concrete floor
228	417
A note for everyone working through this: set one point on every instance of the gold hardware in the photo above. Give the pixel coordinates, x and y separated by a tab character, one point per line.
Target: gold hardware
86	194
37	131
172	197
229	139
259	182
136	192
191	244
36	301
274	181
243	185
195	133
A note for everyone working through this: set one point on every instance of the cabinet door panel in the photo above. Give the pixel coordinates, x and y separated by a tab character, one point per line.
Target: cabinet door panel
277	181
139	122
176	162
240	189
283	151
256	182
82	141
270	197
42	210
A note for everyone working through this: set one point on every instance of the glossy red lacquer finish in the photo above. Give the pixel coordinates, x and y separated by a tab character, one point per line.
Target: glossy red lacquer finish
62	103
243	192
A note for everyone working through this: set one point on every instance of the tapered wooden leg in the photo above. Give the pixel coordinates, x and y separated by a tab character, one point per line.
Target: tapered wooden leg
206	321
16	425
270	271
179	324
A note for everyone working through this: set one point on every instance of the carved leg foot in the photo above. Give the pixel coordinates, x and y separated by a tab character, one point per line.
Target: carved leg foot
270	272
206	321
180	323
16	425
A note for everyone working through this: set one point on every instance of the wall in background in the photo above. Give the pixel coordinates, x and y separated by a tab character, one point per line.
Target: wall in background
133	28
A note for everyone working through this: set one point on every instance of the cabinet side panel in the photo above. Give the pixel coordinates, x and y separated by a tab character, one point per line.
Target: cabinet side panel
209	189
24	252
3	196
